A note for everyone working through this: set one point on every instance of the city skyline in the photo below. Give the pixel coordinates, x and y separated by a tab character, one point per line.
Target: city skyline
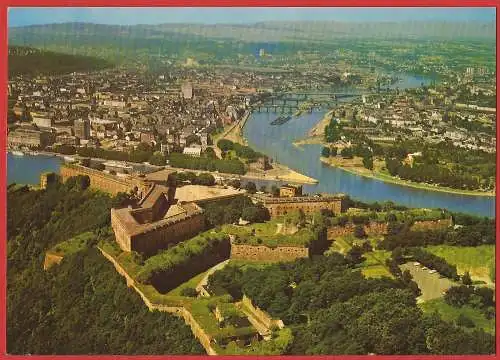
239	15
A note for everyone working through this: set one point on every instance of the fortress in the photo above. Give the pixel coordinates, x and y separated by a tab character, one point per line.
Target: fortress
106	182
308	204
158	221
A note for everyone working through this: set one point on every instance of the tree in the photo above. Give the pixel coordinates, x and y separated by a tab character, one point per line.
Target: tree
466	280
346	153
65	149
225	145
210	153
263	188
325	152
397	255
121	200
275	191
463	320
355	255
333	151
193	139
255	214
98	166
235	183
390	217
157	159
189	292
250	187
368	162
205	179
359	231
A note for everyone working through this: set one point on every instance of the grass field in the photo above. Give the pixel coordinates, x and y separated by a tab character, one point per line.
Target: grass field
72	245
478	260
374	265
451	313
265	234
376	271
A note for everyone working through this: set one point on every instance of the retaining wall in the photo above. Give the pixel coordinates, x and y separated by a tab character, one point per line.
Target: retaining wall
196	328
264	253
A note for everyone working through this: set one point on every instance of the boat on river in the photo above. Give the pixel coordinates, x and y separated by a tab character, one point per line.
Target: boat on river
280	120
17	153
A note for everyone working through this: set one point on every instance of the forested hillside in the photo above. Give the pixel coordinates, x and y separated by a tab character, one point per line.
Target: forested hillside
81	306
29	61
332	309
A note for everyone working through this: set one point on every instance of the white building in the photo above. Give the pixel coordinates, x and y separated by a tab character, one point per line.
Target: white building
192	151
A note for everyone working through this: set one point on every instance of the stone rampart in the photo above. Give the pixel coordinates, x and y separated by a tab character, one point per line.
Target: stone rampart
376	228
283	206
196	328
261	315
432	224
105	182
264	253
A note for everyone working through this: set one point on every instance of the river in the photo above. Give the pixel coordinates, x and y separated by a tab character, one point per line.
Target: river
27	169
276	142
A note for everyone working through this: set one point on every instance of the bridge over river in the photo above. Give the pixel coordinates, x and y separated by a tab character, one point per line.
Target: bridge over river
306	101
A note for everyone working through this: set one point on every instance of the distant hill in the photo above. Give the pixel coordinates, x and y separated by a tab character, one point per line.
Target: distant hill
29	61
209	44
267	31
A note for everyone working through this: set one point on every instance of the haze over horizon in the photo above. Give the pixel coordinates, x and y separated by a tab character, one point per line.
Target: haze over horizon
18	17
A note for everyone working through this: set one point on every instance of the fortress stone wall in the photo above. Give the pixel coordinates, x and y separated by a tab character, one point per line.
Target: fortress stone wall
197	330
371	229
159	237
105	182
261	315
374	228
264	253
432	224
308	204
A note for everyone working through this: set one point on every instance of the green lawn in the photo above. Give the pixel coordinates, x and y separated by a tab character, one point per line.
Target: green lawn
200	310
478	260
451	313
376	271
265	234
376	257
72	245
374	265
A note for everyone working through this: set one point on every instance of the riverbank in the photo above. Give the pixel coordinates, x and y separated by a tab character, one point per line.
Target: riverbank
377	175
235	131
279	172
315	140
319	128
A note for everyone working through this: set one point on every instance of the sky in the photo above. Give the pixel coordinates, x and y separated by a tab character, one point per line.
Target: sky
18	16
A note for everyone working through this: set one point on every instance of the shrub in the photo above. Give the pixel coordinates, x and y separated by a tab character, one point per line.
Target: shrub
189	292
463	320
359	231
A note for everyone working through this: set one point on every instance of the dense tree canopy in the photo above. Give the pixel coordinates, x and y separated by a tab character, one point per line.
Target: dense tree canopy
332	309
81	306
